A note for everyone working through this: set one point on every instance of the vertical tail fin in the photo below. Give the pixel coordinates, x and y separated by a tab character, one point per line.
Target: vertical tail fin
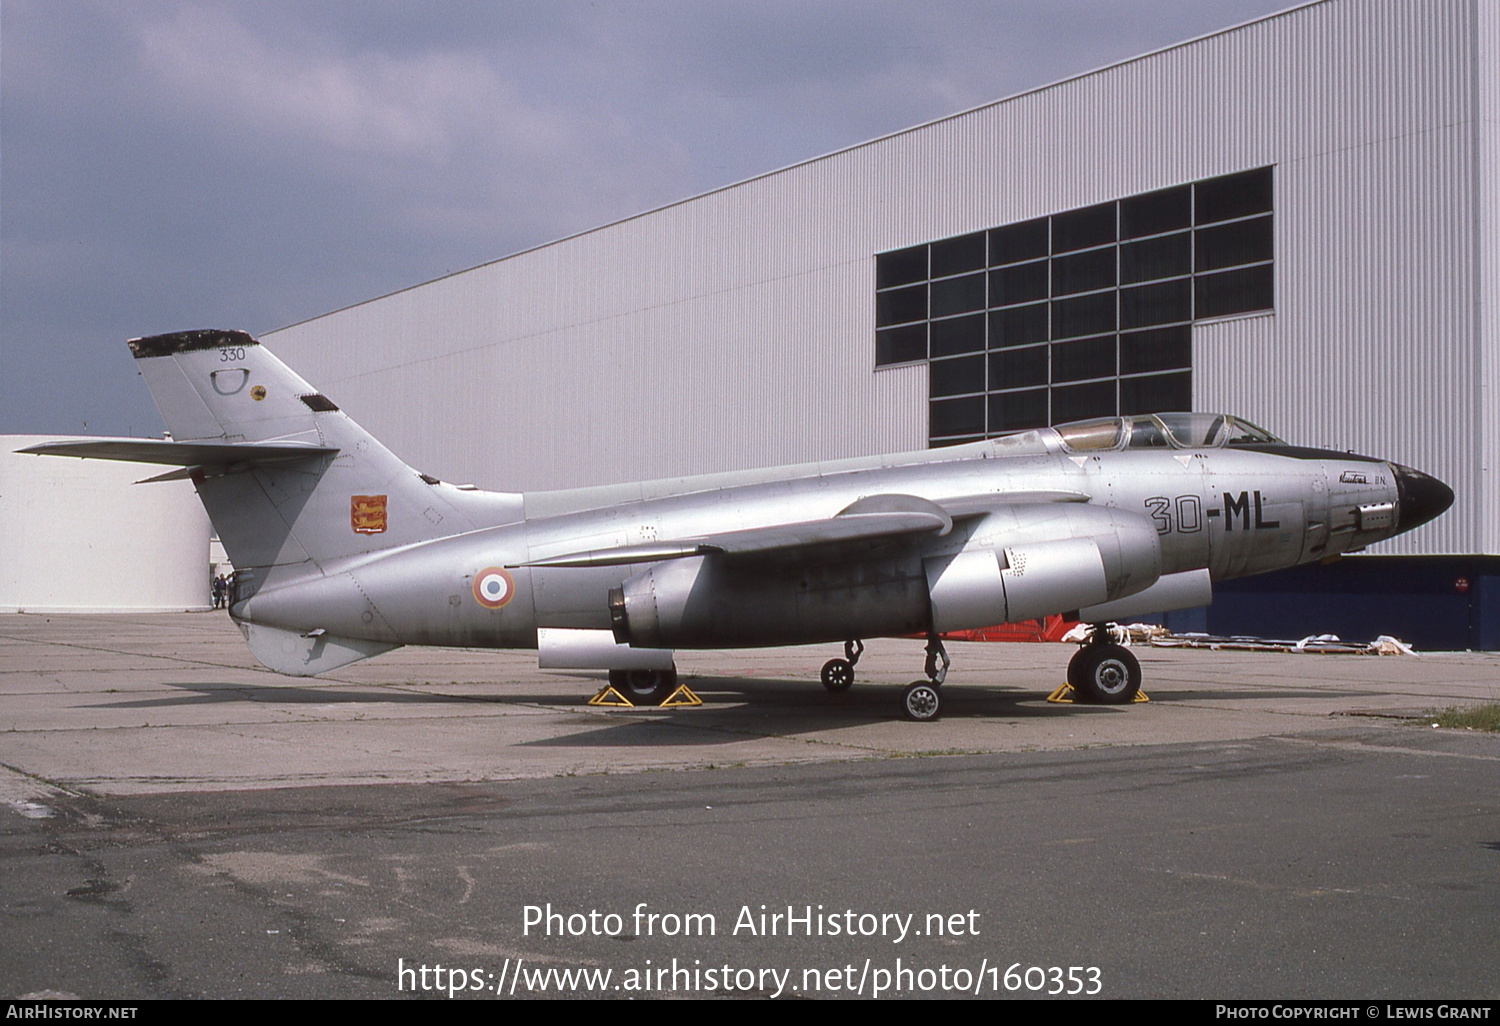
225	387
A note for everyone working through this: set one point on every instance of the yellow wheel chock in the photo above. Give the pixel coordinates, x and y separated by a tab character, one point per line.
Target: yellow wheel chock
1064	696
680	698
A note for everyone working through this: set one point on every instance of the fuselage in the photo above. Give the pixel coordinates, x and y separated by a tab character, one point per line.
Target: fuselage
1140	503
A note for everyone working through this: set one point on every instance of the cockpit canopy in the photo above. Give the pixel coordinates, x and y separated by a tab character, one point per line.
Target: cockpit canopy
1164	431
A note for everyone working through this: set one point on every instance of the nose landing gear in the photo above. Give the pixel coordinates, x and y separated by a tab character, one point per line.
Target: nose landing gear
922	700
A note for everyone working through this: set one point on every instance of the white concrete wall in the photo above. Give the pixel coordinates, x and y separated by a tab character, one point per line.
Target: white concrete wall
76	536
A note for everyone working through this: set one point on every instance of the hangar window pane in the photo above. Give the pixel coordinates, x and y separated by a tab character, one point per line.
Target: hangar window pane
1082	402
901	305
1156	349
1084	272
943	443
955	256
1017	242
1016	411
901	345
1232	292
1018	368
1162	303
956	377
1221	199
958	335
1087	358
1086	315
1164	257
1156	212
1018	325
956	416
1080	229
1227	245
902	267
957	295
1021	283
1157	393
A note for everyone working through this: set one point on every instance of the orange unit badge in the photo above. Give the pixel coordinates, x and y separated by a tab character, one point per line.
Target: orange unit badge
367	513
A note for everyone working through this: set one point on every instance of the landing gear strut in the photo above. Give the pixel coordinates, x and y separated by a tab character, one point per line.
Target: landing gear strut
922	700
1104	672
838	674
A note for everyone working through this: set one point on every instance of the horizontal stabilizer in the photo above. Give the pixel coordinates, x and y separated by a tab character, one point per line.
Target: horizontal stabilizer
213	457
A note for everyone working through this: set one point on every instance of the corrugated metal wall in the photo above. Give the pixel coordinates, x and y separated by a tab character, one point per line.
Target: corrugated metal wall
737	328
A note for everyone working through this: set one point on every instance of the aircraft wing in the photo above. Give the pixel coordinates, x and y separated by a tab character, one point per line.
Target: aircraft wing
875	516
221	456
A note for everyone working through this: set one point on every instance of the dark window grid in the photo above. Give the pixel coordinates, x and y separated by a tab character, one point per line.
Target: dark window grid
1231	220
980	382
1051	388
1052	286
1074	215
1095	291
1270	303
1157	281
1199	185
1040	353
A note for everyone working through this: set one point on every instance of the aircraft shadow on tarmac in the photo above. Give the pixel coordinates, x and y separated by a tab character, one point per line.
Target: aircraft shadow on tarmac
729	702
283	694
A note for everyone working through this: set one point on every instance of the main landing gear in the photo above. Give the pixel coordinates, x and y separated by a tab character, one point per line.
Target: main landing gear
922	700
1104	672
644	687
838	674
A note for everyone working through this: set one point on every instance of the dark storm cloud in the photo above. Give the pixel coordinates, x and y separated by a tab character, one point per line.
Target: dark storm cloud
167	165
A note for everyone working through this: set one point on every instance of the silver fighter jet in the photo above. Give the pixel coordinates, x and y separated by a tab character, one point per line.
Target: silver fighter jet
344	552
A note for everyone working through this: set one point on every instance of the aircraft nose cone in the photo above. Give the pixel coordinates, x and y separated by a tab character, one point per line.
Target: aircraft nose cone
1422	496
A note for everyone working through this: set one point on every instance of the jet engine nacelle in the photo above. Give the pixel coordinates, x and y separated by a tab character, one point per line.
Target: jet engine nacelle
1018	564
714	601
1012	570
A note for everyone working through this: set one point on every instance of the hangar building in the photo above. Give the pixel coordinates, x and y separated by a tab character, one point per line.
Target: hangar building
1294	220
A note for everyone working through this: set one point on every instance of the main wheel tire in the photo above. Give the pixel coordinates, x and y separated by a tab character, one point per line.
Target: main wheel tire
1105	674
838	675
644	687
921	701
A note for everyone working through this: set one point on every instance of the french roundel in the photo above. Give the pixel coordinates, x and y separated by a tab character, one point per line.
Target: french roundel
493	587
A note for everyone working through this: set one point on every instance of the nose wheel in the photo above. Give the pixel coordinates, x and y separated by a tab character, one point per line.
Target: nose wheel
922	700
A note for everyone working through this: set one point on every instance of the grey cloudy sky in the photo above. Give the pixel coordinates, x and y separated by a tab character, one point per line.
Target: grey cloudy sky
172	164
